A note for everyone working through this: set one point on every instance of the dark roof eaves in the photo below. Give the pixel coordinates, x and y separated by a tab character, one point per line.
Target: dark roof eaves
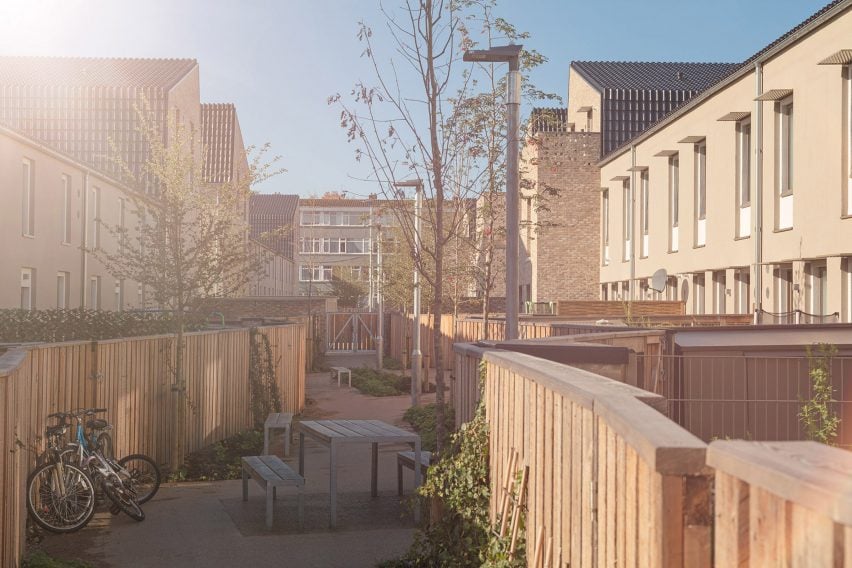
768	52
589	79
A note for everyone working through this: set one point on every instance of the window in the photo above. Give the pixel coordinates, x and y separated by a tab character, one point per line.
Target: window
644	211
315	273
27	288
785	175
674	202
28	198
719	292
701	193
67	208
783	293
95	293
671	288
122	214
846	271
627	218
335	218
604	292
95	218
849	142
698	293
605	225
63	289
334	246
743	178
742	279
817	285
119	295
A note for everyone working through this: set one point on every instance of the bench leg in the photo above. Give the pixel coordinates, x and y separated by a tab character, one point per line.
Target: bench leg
269	506
374	480
301	509
287	441
245	484
399	478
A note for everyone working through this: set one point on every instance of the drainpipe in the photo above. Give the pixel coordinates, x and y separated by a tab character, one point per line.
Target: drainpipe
84	255
758	192
632	222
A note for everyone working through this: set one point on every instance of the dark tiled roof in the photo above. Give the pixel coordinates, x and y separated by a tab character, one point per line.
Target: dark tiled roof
656	76
218	126
549	120
272	220
93	71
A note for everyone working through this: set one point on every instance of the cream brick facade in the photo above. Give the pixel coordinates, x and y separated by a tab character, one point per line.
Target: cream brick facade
798	253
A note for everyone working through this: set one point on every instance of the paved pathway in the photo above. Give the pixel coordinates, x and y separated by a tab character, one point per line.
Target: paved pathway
207	524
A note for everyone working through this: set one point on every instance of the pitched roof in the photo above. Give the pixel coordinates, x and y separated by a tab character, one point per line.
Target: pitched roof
816	19
272	221
93	71
652	75
218	126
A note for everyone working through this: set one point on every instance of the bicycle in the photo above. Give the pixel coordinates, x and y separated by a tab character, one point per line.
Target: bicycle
60	495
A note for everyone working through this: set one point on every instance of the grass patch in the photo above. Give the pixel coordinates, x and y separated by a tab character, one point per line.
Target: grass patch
380	383
222	459
422	419
40	559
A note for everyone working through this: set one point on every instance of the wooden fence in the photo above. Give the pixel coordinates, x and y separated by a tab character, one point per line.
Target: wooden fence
611	480
595	309
131	378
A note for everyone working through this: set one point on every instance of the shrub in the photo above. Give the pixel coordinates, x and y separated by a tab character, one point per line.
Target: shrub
817	417
422	419
391	364
380	383
40	559
222	459
265	394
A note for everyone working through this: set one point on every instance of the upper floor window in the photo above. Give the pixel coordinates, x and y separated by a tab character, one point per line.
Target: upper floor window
674	202
744	162
335	218
700	193
67	209
95	218
320	273
848	140
627	217
605	224
28	198
644	212
785	147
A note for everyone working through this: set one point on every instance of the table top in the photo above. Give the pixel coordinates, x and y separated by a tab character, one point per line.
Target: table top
355	431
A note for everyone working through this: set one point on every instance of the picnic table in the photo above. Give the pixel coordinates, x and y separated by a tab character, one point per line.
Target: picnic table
335	433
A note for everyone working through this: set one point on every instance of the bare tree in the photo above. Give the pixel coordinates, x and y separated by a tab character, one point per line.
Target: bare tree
188	238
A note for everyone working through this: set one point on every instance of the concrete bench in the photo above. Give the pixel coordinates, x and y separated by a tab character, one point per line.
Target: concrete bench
340	370
277	421
406	459
271	473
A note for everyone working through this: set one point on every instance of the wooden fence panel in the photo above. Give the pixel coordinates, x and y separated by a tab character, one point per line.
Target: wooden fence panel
610	479
132	379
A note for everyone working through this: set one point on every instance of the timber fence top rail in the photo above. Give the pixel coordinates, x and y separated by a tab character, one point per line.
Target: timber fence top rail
472	349
809	474
631	412
628	333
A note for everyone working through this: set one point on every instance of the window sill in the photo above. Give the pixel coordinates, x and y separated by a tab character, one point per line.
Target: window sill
787	193
26	236
777	230
745	238
699	246
846	215
672	251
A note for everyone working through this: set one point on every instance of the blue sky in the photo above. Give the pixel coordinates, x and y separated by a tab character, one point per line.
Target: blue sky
278	61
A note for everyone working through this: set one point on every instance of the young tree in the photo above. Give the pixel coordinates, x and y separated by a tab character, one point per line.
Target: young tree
189	241
402	128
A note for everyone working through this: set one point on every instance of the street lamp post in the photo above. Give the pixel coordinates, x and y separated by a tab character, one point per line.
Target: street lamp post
509	54
416	354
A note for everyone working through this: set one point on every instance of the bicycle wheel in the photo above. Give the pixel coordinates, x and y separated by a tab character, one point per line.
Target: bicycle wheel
123	499
104	445
144	476
60	497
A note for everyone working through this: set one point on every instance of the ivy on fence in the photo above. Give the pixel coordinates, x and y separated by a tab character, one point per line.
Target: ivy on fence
265	395
21	326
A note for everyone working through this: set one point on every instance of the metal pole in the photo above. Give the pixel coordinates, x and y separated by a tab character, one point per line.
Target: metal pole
380	352
513	103
416	354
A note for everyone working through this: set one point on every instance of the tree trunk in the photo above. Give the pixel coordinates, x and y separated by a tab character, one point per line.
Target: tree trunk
179	398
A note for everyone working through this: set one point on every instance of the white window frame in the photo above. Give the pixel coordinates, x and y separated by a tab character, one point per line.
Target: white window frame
627	219
67	208
27	288
605	225
63	289
674	203
699	285
700	192
94	293
742	281
720	291
94	218
848	196
743	178
785	159
318	273
28	198
644	212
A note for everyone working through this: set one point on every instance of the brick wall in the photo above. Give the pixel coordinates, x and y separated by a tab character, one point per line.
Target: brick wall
564	245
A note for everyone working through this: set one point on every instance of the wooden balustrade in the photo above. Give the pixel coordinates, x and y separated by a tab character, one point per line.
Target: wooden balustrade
612	481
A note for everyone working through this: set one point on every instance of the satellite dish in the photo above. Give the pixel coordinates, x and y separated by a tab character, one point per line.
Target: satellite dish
658	280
